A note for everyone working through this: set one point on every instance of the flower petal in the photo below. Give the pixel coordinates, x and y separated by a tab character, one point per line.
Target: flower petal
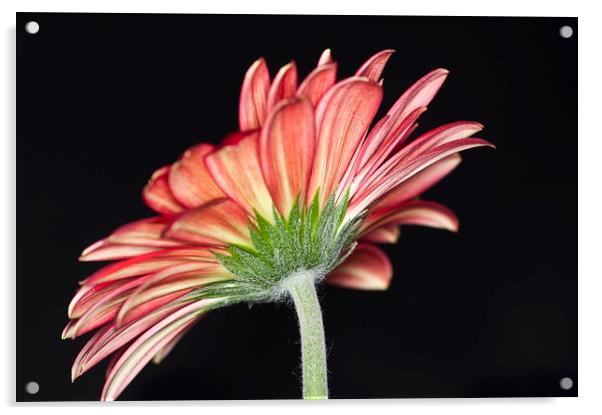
413	212
158	196
220	222
418	95
367	268
167	349
325	57
253	96
110	339
386	234
99	308
145	232
441	135
419	183
320	80
148	345
286	151
177	279
150	262
373	67
342	118
237	172
104	251
284	85
189	179
400	171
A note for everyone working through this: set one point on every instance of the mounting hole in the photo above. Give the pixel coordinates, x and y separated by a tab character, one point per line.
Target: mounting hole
32	28
566	383
32	388
566	32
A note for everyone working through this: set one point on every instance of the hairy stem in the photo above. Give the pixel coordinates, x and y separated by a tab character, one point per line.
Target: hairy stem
302	289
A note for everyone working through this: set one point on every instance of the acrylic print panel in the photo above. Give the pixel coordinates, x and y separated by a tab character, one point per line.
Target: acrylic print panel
484	309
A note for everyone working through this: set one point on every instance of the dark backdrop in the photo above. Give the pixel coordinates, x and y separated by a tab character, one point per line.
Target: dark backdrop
103	100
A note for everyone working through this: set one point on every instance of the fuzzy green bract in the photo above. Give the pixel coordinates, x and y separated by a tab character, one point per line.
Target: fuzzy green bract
309	239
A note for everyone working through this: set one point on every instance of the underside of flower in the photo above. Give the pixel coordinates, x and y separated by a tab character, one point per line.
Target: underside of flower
300	195
310	240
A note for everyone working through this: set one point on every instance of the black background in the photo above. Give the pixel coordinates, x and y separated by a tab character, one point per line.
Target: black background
103	100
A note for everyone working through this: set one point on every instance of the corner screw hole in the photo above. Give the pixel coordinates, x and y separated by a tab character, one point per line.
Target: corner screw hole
32	388
566	383
32	28
566	32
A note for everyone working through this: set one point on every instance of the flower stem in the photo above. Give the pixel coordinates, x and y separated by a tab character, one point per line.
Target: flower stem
302	289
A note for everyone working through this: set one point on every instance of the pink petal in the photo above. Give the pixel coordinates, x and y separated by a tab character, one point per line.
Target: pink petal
148	345
387	234
373	67
342	118
413	212
150	262
237	172
418	95
110	339
318	82
90	296
167	349
157	194
174	279
111	252
90	344
220	222
404	170
284	85
419	183
367	268
145	232
441	135
189	179
325	57
253	96
380	144
286	150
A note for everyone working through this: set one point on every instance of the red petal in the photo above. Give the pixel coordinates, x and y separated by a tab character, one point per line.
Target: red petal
403	170
318	82
237	172
145	232
176	279
373	67
189	179
387	234
418	95
367	268
253	96
221	222
419	183
150	262
413	212
104	251
109	339
286	150
158	196
441	135
342	118
148	345
284	85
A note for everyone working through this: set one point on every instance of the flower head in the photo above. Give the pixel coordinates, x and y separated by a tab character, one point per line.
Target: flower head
304	188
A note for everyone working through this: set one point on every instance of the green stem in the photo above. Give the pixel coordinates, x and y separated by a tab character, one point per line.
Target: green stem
302	289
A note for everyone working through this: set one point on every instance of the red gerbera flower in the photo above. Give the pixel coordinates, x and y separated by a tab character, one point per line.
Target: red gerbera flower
299	195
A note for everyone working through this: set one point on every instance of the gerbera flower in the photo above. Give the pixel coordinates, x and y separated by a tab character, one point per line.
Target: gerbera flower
301	194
